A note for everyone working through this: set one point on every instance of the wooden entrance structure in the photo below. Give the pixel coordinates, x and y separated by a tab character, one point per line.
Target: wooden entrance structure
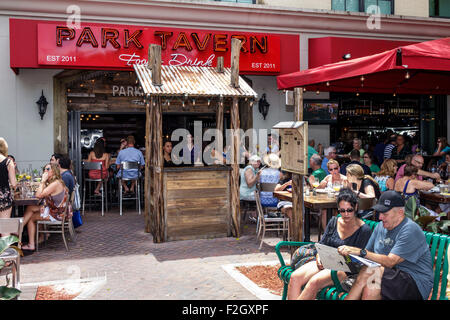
192	202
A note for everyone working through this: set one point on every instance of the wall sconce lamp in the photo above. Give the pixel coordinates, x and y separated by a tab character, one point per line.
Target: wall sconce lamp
42	104
263	106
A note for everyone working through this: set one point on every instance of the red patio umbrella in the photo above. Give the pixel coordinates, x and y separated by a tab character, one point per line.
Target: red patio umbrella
422	68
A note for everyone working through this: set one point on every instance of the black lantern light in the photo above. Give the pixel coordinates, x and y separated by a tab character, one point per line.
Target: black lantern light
42	103
263	106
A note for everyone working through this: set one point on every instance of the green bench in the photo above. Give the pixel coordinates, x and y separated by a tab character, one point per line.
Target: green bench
438	243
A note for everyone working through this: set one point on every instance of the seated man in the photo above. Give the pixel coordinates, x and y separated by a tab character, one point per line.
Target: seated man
355	159
129	154
318	174
66	174
399	245
417	161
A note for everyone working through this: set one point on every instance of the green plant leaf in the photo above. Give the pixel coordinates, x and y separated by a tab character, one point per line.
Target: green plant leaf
6	242
8	293
444	226
433	226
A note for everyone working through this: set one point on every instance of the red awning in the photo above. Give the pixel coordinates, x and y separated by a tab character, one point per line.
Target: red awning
422	68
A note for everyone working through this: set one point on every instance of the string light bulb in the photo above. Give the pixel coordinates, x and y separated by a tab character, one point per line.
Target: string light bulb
407	75
362	78
317	92
328	83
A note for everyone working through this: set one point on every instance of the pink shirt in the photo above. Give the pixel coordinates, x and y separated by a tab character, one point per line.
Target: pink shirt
401	173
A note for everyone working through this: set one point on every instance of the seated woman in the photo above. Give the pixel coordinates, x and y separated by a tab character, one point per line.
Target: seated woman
285	183
340	231
98	154
369	160
249	177
334	177
363	185
386	177
409	185
55	193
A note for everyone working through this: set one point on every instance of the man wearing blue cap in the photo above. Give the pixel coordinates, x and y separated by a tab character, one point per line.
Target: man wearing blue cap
398	244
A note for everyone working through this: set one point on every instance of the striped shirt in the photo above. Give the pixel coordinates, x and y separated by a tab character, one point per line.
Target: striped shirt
388	151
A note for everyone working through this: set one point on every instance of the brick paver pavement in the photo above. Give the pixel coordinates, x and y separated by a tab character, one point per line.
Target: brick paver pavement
137	268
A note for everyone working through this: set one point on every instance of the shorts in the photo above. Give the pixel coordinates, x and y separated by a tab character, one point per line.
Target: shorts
46	215
398	285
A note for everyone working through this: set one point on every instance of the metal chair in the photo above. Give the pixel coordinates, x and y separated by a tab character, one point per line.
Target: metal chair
13	226
269	224
86	166
129	166
57	227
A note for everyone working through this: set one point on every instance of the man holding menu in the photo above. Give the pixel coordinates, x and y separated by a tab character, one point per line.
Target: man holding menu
399	245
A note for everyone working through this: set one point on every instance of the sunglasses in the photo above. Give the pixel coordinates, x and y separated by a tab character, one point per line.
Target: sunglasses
332	169
348	210
48	169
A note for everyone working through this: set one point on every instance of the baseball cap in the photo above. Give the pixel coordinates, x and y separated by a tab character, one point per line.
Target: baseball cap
388	200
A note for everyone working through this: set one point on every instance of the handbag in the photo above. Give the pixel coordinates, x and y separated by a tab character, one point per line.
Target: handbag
303	255
76	205
76	219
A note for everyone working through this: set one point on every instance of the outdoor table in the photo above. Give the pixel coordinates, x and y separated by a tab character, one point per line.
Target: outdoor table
311	202
19	201
434	197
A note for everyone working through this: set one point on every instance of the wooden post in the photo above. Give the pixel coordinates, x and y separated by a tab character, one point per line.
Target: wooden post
157	178
155	55
219	127
220	65
235	51
147	193
297	180
151	57
234	179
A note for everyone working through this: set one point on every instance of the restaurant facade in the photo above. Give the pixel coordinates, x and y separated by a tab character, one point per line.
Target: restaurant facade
86	73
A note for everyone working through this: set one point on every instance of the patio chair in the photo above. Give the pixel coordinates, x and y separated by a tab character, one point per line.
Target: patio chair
269	224
129	166
57	227
12	226
86	166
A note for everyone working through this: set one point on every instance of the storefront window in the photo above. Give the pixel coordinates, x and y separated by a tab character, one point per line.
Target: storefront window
386	6
440	8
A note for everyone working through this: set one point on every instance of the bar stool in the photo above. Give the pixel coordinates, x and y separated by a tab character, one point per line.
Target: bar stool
129	166
86	166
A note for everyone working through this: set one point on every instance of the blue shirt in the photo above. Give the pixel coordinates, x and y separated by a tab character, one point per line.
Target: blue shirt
442	160
324	165
130	154
69	181
407	241
269	175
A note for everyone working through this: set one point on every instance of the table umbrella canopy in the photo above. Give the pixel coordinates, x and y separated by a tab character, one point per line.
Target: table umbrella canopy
422	68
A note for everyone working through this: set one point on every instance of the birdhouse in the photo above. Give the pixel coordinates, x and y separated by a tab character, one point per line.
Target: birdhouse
294	146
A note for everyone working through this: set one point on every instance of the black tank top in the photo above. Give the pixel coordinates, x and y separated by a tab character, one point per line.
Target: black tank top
4	179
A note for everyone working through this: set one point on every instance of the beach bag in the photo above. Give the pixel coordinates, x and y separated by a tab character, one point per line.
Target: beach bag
303	255
76	219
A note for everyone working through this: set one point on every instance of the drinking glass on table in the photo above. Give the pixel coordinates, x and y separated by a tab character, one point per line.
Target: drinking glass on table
315	183
337	186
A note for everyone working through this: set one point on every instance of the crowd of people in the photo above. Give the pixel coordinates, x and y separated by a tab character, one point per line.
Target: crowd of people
391	174
57	183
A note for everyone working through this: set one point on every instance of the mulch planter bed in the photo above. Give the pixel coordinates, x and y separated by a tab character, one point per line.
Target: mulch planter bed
264	277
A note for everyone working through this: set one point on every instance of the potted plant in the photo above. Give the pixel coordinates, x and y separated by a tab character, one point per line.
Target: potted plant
7	293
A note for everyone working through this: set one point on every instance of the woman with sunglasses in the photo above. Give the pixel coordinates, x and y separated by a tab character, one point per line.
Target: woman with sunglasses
331	180
343	230
55	193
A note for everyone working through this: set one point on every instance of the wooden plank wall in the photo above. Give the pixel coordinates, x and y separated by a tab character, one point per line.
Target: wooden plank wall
197	204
